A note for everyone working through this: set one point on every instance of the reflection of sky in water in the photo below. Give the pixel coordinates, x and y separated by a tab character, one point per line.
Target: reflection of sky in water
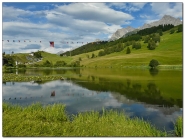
78	99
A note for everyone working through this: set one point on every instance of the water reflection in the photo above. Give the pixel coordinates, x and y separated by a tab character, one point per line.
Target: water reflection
135	91
158	99
53	94
43	71
153	71
81	99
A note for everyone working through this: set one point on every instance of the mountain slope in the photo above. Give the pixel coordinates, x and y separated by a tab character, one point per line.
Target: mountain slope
166	19
168	52
120	32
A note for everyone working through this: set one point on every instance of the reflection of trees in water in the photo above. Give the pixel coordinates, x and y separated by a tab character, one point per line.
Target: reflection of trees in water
152	89
4	83
153	71
128	83
136	87
61	71
93	78
21	71
47	72
9	71
150	95
76	71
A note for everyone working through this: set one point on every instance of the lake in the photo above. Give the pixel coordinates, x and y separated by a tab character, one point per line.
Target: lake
154	95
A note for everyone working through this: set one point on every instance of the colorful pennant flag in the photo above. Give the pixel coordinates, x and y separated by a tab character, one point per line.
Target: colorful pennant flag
52	44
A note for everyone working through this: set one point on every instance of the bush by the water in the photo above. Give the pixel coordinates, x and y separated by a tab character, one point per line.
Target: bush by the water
153	63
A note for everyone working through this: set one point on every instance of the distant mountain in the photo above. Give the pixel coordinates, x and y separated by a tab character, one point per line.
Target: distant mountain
166	19
120	32
60	52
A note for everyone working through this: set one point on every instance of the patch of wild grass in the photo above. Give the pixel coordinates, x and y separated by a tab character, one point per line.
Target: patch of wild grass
52	120
179	127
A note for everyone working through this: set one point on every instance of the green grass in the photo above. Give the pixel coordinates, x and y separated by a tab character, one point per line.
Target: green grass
168	52
22	78
52	120
179	127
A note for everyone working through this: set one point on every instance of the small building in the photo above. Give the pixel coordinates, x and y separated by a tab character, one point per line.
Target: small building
32	53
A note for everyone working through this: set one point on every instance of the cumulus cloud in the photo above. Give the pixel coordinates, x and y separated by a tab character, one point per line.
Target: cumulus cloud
144	16
131	7
94	12
12	14
117	5
162	8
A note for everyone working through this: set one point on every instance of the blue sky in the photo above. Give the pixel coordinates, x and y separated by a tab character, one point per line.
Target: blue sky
73	22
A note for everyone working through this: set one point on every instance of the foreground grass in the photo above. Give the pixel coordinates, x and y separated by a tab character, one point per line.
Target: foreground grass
52	120
178	127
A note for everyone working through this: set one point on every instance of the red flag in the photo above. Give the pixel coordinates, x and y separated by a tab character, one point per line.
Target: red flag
52	44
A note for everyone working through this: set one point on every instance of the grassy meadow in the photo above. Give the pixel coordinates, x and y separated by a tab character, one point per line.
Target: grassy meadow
168	52
52	121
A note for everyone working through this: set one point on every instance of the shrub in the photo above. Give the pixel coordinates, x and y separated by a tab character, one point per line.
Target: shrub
172	31
128	50
151	45
153	63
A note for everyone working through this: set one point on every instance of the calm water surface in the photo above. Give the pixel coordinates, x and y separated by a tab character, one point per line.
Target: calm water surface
155	96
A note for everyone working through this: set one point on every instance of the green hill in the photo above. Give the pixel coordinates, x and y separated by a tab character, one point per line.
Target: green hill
168	52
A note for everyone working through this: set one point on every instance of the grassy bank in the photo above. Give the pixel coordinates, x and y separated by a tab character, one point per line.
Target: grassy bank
21	78
52	120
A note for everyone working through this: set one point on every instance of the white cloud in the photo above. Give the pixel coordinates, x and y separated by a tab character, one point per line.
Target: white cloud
131	7
164	8
11	13
150	21
66	24
94	11
117	5
139	5
144	16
